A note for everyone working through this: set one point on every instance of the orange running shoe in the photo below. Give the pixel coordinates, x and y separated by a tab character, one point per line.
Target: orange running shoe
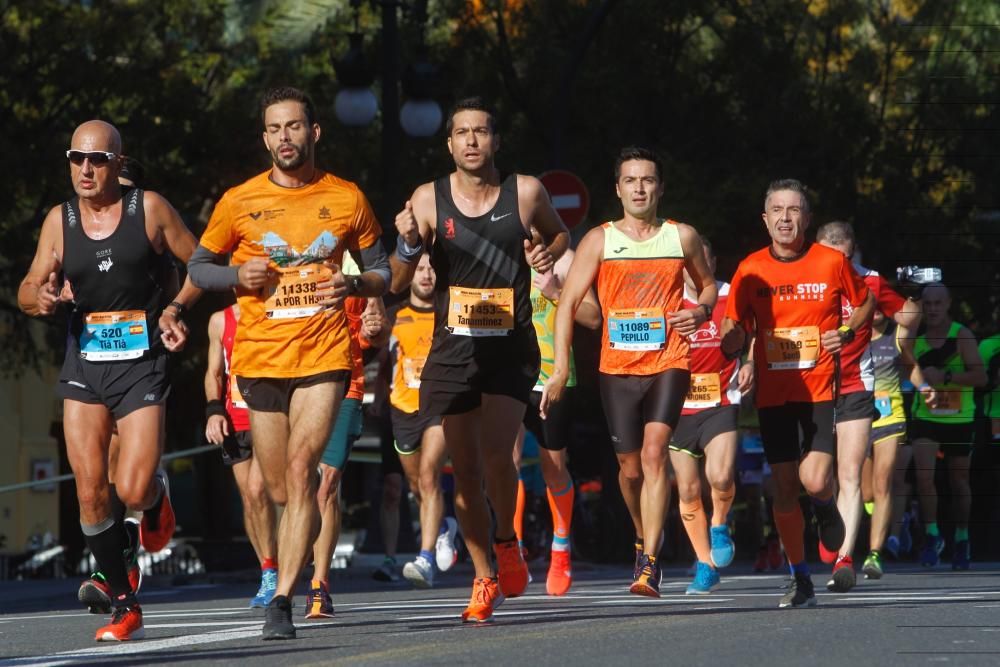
648	581
560	574
511	568
126	624
486	597
155	533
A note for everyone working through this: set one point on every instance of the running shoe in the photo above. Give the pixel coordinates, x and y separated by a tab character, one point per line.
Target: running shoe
892	547
512	571
723	549
648	581
705	579
278	619
560	576
831	530
637	567
800	593
419	572
905	534
318	602
268	584
126	624
445	553
775	558
931	553
486	597
843	578
960	559
96	594
386	571
760	564
156	528
873	566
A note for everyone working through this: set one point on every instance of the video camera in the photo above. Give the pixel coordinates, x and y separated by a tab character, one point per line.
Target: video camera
911	280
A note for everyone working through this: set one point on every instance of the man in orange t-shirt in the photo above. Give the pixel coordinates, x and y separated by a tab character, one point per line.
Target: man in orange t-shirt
788	296
288	229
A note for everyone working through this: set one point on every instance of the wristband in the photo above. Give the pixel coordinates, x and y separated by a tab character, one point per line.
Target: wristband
923	386
405	252
178	305
215	407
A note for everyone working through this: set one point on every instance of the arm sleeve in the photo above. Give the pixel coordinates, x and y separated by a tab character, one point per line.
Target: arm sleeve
206	271
373	259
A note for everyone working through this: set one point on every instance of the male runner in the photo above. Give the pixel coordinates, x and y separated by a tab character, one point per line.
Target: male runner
227	423
855	406
484	357
947	354
288	229
708	430
637	263
989	350
788	296
419	439
108	240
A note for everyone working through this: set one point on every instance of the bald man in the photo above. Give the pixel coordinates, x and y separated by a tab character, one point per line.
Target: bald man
949	359
108	242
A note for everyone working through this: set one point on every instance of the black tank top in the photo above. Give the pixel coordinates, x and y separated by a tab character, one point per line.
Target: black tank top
485	251
119	273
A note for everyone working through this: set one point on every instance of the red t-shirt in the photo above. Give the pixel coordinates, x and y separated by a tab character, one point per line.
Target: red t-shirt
790	303
857	370
236	407
713	377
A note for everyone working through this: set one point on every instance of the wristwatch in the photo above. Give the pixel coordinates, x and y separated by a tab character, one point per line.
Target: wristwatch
708	310
846	334
178	306
354	284
947	376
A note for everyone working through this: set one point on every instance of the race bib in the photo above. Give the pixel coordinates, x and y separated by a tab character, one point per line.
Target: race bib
481	312
949	401
293	291
114	336
705	391
637	329
791	347
412	368
234	394
883	403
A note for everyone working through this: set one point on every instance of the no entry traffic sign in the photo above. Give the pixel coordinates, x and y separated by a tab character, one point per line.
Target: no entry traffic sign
569	195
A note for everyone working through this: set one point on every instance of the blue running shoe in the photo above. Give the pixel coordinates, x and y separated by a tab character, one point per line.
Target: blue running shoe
268	584
892	547
705	579
905	536
960	558
723	549
931	554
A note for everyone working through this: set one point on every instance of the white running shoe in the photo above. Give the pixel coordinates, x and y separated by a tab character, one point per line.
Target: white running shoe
419	572
445	552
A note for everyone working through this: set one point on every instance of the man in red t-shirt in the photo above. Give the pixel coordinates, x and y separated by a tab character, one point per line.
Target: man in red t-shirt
855	406
788	296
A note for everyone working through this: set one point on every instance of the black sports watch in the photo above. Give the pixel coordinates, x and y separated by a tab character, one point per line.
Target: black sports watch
354	284
708	310
847	334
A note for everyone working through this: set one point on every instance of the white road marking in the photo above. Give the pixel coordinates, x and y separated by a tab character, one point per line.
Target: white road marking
203	624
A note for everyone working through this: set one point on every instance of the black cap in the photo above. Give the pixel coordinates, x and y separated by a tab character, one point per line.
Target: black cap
133	170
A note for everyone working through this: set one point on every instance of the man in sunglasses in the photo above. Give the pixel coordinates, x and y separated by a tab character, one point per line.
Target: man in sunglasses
108	242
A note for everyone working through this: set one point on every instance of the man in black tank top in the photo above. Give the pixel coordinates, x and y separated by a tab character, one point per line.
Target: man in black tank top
484	359
109	242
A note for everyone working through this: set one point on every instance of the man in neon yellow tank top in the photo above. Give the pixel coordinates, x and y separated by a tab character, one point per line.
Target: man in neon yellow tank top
947	354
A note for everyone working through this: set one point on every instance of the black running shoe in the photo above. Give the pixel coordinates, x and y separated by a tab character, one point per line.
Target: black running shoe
800	593
278	619
831	526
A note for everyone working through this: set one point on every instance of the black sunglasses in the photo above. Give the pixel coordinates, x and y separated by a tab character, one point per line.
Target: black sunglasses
97	158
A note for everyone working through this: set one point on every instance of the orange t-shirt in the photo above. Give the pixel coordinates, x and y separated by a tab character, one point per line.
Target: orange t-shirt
281	334
639	283
792	303
412	333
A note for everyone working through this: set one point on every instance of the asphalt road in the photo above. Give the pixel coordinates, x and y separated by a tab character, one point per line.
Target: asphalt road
911	617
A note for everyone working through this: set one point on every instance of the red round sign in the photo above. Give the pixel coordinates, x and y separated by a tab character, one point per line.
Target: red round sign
569	195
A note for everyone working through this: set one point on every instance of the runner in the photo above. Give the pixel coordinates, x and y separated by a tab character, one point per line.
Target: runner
369	331
288	229
948	357
708	430
856	404
227	423
637	263
108	240
788	296
484	358
419	440
554	432
989	350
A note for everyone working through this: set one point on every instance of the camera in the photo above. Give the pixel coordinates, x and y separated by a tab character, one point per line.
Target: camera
912	280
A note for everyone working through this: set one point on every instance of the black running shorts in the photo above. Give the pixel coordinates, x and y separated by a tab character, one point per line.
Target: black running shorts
632	401
408	429
792	430
696	430
236	448
553	432
856	405
275	394
121	386
954	439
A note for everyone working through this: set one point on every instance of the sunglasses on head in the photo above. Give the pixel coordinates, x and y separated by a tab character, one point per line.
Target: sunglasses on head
97	158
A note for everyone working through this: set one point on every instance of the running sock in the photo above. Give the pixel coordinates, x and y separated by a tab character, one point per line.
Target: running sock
118	514
722	502
932	529
696	525
561	506
108	542
961	534
800	569
820	504
791	526
427	555
519	513
118	508
268	564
